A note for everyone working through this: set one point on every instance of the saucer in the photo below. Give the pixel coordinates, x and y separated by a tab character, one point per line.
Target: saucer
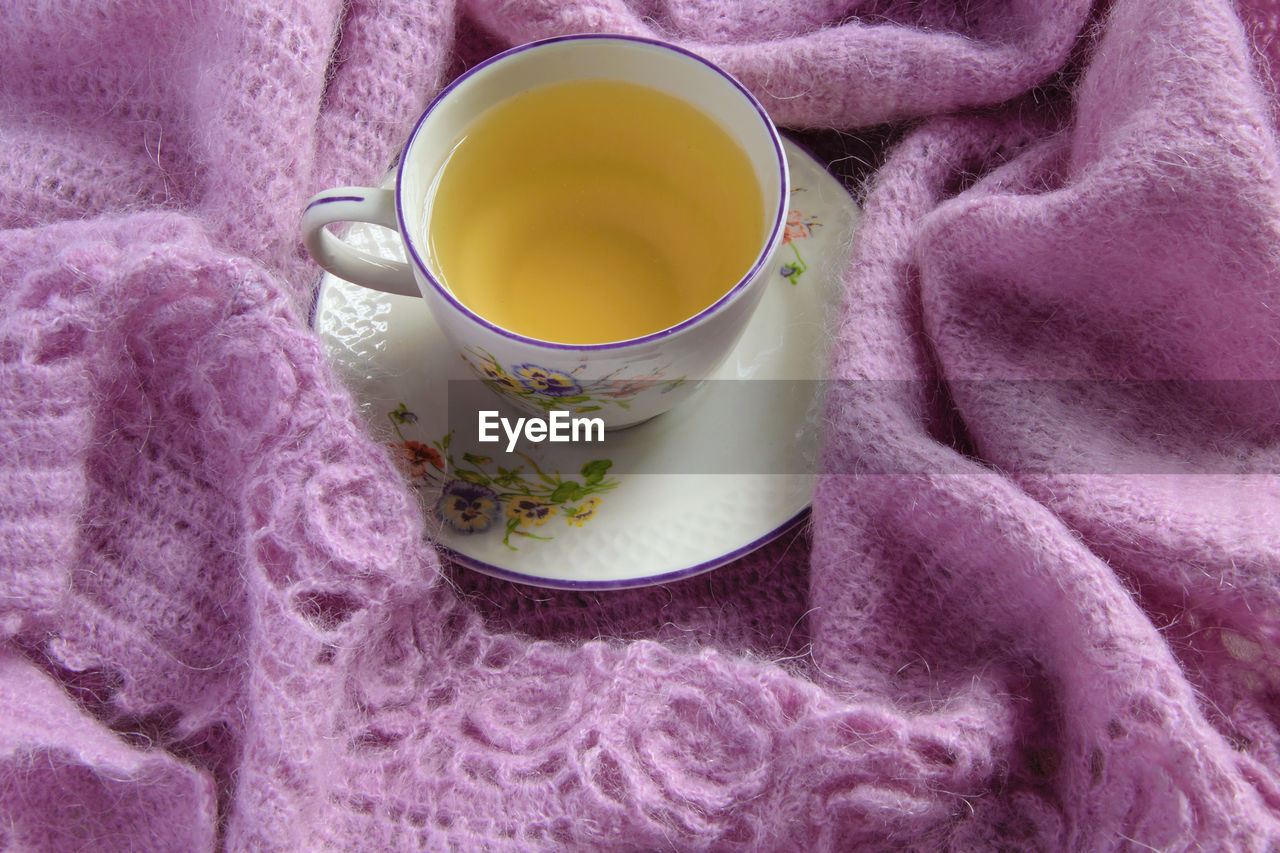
586	522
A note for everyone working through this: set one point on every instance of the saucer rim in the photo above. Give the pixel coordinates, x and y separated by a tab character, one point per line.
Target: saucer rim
620	584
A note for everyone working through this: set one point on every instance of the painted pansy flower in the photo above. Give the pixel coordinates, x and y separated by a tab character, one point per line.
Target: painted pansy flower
583	513
553	383
418	456
499	377
529	511
467	507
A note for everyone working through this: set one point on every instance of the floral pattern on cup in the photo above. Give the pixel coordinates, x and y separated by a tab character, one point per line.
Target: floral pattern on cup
478	495
540	388
799	227
552	383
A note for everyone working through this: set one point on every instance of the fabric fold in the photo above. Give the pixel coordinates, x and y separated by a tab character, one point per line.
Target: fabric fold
1036	607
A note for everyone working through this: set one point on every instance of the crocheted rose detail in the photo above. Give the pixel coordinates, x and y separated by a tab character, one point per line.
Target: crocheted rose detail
527	715
356	514
707	752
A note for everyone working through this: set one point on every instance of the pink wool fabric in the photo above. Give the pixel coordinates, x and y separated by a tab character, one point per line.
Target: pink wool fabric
1038	604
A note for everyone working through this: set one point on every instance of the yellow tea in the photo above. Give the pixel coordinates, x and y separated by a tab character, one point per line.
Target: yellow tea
594	211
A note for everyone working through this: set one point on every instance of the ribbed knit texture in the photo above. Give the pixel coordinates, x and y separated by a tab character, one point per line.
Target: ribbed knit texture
1038	606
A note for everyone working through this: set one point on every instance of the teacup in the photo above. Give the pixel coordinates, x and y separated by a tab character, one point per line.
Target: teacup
654	176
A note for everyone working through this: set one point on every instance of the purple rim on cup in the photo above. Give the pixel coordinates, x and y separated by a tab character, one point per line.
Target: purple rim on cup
779	219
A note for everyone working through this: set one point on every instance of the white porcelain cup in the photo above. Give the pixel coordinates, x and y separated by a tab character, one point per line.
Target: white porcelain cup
622	382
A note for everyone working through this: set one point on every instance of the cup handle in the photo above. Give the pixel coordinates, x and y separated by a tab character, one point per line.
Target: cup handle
355	204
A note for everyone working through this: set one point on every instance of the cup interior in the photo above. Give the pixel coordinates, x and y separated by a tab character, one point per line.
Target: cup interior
616	58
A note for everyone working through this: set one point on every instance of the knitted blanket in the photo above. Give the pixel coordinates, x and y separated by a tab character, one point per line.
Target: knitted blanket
1038	604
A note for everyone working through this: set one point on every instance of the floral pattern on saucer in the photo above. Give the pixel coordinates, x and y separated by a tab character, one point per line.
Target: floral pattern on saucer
799	226
477	494
539	388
